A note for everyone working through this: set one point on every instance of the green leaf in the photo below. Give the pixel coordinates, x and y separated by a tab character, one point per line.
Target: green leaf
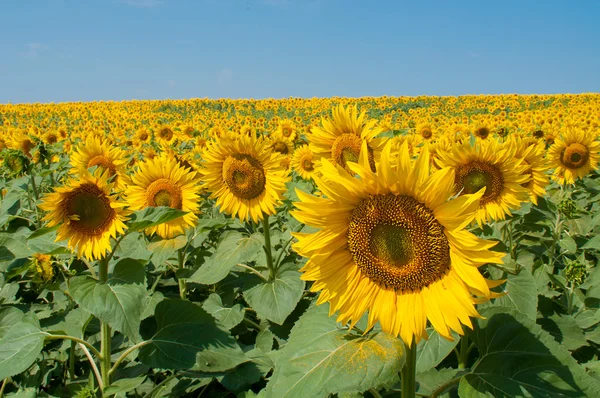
568	244
228	316
322	358
275	300
124	385
153	216
432	379
517	358
164	249
187	337
21	341
521	294
119	302
433	351
592	244
565	330
233	248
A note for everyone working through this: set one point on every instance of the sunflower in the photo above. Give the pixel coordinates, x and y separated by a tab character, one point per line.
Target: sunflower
287	128
393	244
532	151
280	144
340	138
573	155
86	213
163	181
243	175
96	152
164	134
303	162
491	165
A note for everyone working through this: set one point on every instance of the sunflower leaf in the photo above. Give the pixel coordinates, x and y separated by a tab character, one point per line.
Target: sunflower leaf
153	216
21	341
187	337
275	300
322	358
521	294
120	301
432	351
518	358
228	316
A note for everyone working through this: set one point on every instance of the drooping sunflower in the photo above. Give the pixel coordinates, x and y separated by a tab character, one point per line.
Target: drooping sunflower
95	152
532	151
281	144
393	244
492	165
164	134
243	175
163	181
573	155
87	213
303	162
340	138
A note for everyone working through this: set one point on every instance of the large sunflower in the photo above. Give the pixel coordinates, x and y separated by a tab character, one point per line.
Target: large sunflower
393	243
163	181
340	138
493	166
86	213
244	176
95	152
531	151
573	155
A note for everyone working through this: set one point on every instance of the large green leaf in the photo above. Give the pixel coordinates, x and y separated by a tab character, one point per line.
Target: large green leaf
521	294
322	358
432	351
153	216
233	248
21	341
565	330
517	358
119	302
275	300
187	337
228	316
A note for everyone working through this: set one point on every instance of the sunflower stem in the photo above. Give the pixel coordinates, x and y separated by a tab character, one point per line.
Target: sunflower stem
104	331
463	353
409	370
181	281
267	247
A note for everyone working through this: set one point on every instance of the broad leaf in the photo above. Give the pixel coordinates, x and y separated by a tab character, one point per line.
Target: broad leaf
518	358
187	337
227	316
21	341
275	300
323	358
233	248
432	351
119	302
153	216
521	294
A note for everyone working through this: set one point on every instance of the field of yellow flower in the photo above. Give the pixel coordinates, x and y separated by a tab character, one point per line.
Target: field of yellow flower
389	246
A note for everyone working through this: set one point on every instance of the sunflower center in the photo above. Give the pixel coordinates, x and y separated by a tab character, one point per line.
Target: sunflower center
286	131
281	148
346	148
397	242
471	177
103	162
165	133
482	132
308	165
163	192
90	205
244	176
426	133
51	139
574	156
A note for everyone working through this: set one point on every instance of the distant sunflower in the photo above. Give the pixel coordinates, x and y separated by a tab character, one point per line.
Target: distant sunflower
340	138
86	213
303	162
96	152
394	243
163	181
280	144
490	165
532	151
243	175
164	134
287	128
573	155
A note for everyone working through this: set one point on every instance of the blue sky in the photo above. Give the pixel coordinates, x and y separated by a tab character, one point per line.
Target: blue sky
83	50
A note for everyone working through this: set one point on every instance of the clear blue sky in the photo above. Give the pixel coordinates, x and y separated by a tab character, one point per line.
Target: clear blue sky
83	50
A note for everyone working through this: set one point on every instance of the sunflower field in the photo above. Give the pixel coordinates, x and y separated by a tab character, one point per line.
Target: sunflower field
339	247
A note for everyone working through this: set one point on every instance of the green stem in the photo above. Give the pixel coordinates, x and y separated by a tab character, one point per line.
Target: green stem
255	272
267	247
4	382
159	386
463	353
125	354
104	330
441	389
557	233
36	194
75	340
181	281
72	361
409	370
375	393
